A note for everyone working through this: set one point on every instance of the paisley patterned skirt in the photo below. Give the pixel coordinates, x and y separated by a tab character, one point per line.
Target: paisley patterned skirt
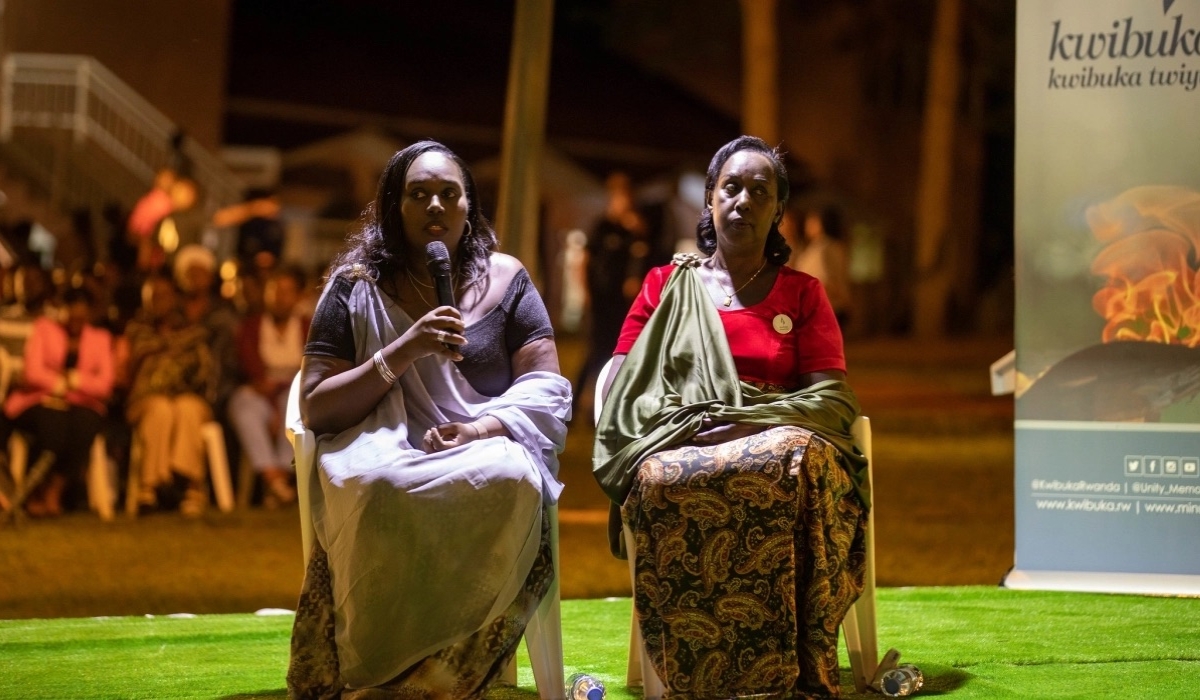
749	554
461	671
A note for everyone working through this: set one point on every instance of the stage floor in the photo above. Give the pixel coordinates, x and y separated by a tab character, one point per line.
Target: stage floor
970	642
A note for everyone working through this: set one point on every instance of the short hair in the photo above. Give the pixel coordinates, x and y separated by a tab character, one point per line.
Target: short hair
78	294
148	287
293	272
776	250
378	244
832	222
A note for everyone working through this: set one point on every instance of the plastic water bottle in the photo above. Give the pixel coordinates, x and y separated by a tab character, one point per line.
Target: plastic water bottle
581	686
902	681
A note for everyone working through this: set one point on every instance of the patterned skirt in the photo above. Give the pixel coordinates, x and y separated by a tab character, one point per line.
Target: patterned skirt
461	671
749	554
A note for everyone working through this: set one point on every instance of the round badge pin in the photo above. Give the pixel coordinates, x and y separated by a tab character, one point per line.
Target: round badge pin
782	324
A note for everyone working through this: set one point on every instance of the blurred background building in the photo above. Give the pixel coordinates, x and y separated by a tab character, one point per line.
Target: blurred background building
896	113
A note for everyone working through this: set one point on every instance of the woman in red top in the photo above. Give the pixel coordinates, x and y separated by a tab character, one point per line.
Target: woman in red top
68	380
743	496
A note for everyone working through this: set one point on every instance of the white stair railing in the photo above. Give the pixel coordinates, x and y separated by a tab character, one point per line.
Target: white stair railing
78	94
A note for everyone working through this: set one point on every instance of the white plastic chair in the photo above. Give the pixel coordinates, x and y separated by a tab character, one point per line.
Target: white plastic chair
858	627
101	479
543	634
218	469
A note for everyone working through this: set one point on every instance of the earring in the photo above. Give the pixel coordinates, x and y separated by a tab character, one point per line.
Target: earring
468	231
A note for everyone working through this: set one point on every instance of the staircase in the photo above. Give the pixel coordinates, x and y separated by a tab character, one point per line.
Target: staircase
78	137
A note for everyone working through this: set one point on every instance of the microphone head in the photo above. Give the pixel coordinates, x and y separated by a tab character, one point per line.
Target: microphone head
437	258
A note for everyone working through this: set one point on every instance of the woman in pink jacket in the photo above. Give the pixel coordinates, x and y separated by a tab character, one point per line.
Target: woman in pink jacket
63	397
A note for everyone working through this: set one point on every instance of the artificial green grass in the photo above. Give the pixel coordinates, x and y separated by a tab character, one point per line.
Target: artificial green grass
973	642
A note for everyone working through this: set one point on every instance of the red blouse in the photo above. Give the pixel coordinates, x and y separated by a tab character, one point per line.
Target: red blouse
761	353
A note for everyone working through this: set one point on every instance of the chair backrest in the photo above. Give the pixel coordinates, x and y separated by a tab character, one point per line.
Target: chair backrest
6	372
861	431
291	419
601	380
304	450
12	371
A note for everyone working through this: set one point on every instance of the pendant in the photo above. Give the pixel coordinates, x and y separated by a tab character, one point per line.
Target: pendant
728	301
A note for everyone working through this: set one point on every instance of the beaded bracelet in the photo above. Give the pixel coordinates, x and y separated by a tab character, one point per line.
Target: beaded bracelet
383	369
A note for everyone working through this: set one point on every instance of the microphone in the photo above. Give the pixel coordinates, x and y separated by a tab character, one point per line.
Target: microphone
437	259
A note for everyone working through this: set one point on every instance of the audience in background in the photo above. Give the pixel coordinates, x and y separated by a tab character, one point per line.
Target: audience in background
618	257
60	404
173	381
170	195
150	346
195	269
27	289
822	253
259	229
270	346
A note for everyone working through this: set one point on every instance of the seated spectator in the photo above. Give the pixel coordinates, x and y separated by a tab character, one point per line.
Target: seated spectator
170	397
195	269
61	403
270	346
31	289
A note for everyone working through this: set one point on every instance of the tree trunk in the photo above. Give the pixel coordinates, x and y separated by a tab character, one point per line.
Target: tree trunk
934	263
518	220
760	70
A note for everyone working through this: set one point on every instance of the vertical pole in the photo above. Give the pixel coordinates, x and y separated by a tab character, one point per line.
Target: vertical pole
760	70
83	79
934	186
517	216
5	86
6	99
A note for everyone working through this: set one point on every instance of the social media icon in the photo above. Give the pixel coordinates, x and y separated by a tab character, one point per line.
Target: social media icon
1190	466
1133	466
1153	466
1170	466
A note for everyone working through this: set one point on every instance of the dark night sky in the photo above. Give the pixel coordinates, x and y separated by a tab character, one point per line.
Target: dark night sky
415	60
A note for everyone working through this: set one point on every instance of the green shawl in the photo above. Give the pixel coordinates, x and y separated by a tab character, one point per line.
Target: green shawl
680	371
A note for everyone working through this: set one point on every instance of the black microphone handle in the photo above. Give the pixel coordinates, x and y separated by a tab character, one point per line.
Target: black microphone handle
445	296
445	291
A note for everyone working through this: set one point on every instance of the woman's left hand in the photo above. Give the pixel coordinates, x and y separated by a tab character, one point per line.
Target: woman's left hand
713	433
448	435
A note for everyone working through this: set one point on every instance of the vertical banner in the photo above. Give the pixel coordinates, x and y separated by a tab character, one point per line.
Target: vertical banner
1108	296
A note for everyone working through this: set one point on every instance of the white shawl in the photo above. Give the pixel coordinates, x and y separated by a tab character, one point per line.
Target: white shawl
426	549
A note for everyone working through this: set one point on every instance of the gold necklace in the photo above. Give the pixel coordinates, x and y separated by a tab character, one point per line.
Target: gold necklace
413	277
729	297
408	273
409	276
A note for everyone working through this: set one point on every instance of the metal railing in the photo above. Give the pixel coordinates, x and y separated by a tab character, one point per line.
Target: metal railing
78	95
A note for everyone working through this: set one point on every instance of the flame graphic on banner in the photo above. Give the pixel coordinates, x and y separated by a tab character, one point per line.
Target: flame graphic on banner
1150	262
